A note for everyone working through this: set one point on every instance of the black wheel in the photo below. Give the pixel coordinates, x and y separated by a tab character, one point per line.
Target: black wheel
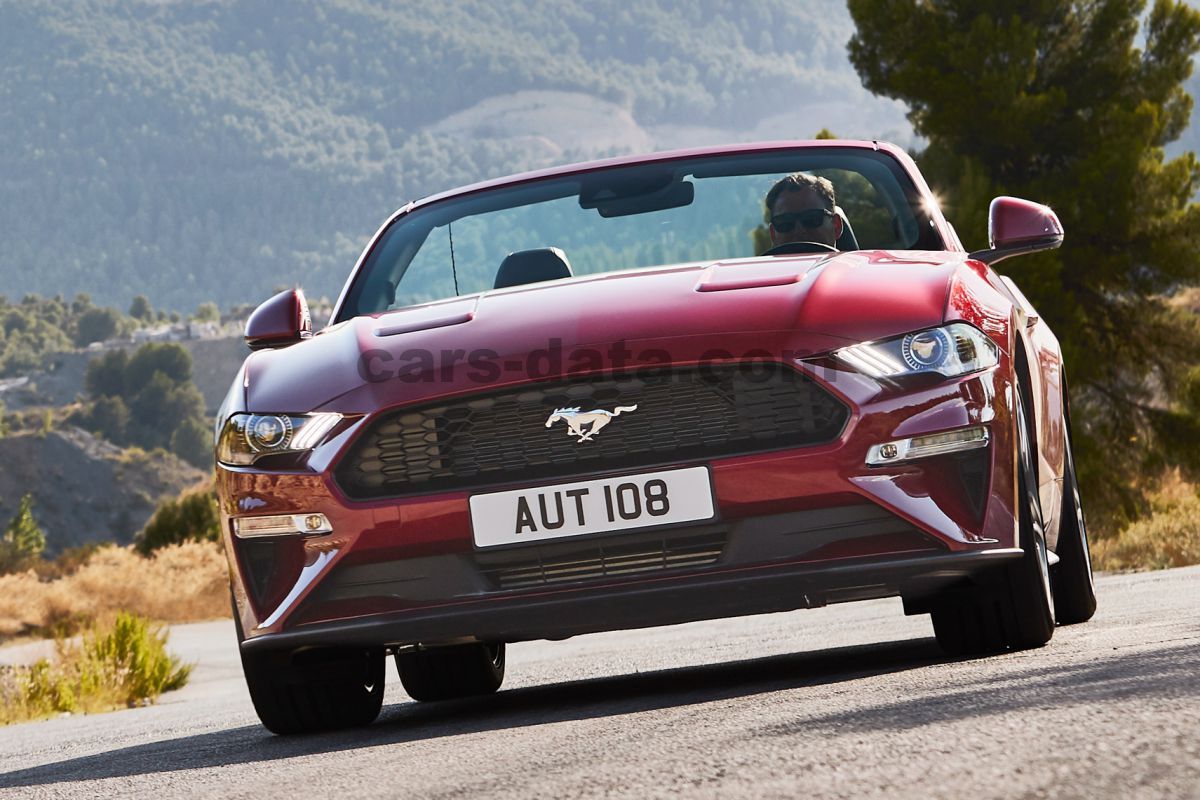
1014	608
444	673
1074	585
314	690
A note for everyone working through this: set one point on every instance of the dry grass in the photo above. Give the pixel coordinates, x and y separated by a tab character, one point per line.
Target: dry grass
124	664
1169	537
1188	298
180	583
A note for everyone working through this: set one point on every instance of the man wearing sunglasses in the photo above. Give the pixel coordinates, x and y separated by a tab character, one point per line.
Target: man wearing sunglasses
801	208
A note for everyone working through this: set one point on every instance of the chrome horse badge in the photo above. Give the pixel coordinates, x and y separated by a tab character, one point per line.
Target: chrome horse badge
576	420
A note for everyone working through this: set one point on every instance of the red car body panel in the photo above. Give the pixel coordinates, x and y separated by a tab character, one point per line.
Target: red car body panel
793	308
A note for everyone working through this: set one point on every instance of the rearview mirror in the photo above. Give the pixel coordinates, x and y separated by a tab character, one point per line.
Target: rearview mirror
282	320
1016	227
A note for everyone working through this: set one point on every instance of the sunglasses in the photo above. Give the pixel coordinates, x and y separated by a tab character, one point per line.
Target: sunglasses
809	218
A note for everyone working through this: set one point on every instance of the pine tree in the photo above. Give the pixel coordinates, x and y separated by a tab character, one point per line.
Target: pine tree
23	540
1054	101
141	309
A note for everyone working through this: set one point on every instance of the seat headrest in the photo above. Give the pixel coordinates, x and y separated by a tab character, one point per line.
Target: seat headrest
532	266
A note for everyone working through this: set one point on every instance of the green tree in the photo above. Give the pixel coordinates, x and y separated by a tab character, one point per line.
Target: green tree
172	360
14	321
148	399
109	418
106	375
23	541
207	312
141	309
1055	101
81	303
191	517
159	407
97	325
193	442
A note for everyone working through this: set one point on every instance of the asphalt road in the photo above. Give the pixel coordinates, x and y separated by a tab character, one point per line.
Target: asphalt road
850	701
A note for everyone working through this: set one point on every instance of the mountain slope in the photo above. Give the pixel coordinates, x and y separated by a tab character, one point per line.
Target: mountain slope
197	151
85	489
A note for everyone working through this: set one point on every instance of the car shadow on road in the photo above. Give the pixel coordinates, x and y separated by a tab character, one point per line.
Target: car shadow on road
1167	672
514	708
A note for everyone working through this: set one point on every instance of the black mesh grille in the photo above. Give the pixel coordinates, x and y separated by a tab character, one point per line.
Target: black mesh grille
683	414
612	559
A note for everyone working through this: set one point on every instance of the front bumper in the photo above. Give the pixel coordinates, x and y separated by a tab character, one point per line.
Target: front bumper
796	528
646	604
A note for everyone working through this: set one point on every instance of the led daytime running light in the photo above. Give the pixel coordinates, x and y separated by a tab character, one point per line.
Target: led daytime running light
871	360
314	430
950	350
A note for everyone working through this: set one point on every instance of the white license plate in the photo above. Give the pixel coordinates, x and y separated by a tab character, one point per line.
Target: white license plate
608	504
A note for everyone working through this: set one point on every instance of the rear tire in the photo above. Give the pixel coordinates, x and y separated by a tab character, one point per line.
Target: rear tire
314	690
1014	608
1074	585
446	673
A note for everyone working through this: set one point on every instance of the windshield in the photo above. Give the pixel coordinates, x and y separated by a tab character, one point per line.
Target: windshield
628	217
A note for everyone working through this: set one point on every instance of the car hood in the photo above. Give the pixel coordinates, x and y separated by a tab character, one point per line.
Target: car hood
776	307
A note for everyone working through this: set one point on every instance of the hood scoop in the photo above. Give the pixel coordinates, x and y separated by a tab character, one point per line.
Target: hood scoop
423	319
725	276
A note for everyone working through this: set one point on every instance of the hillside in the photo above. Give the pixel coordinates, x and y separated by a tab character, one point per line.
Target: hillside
85	489
195	151
61	380
211	151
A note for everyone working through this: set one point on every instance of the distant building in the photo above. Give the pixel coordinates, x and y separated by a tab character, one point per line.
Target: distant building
158	333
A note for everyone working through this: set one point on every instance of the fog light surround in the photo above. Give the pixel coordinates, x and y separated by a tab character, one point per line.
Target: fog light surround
281	525
932	444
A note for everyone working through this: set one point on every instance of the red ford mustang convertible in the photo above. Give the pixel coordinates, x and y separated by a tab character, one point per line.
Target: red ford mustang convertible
639	392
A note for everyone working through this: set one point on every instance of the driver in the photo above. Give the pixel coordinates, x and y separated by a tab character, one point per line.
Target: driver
801	210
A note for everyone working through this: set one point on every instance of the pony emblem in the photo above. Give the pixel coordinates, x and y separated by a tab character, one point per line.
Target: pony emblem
595	420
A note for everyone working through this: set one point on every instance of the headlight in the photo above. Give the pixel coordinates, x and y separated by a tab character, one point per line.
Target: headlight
247	437
951	350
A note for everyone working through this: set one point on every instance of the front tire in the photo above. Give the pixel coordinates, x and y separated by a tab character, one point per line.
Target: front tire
1014	608
314	690
446	673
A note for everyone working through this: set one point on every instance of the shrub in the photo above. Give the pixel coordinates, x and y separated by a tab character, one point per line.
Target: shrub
148	400
172	360
1169	537
109	418
192	517
132	656
106	374
181	583
207	312
69	561
193	442
159	406
126	664
97	325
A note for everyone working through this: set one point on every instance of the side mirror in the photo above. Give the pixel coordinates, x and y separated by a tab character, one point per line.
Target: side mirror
1016	227
282	320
